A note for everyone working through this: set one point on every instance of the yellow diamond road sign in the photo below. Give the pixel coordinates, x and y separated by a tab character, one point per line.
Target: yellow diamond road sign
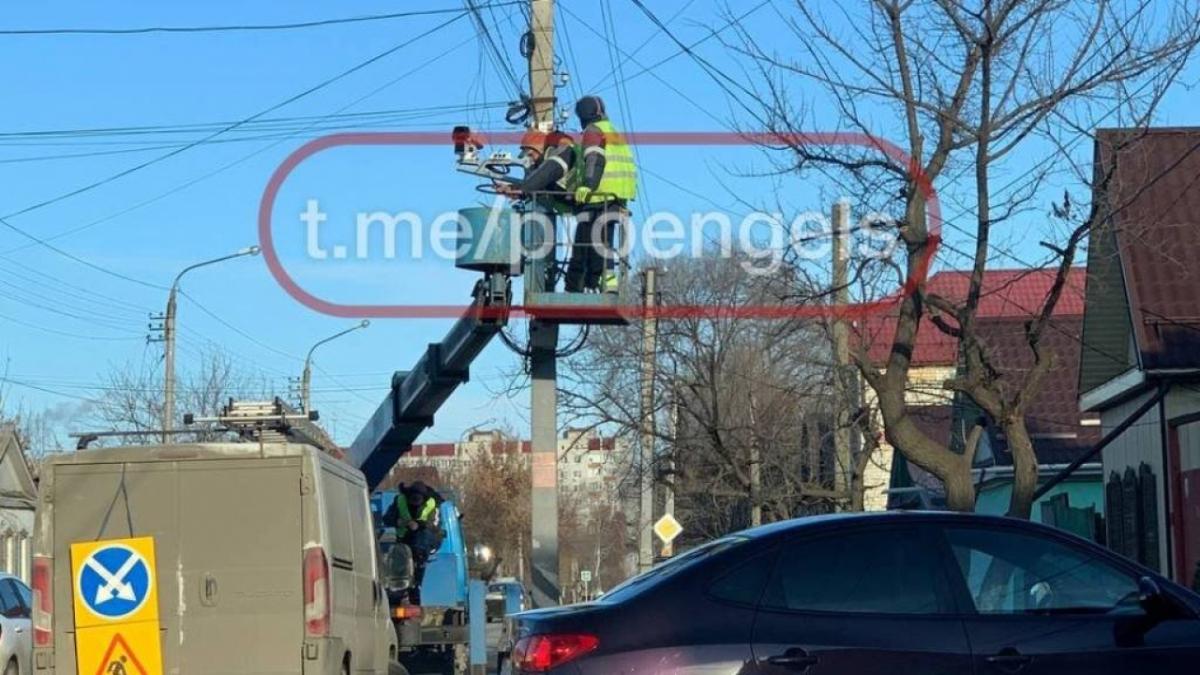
667	528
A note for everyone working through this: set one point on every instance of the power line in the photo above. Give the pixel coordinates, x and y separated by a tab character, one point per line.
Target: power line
45	242
45	390
241	27
71	256
503	65
219	319
289	100
61	333
628	58
154	129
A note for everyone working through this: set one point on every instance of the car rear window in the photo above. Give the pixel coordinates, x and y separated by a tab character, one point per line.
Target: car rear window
744	584
665	570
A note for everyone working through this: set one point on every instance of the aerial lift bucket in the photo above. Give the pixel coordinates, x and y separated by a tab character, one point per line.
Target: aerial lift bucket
489	240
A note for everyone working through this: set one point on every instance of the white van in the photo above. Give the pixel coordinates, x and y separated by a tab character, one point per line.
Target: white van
266	556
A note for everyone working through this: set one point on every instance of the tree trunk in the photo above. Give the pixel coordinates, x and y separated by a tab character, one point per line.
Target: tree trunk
857	491
1025	469
960	491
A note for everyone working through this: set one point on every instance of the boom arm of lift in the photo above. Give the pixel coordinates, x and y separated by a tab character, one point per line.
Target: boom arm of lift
417	394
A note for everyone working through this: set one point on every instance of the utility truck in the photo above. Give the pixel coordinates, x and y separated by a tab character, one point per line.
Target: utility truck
264	559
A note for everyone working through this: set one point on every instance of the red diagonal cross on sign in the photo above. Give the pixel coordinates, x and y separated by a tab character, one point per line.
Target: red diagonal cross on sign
133	659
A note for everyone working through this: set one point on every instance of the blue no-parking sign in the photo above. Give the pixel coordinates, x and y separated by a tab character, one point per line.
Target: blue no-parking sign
114	581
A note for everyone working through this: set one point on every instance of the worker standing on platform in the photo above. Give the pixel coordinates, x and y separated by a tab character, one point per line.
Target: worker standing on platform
607	184
414	514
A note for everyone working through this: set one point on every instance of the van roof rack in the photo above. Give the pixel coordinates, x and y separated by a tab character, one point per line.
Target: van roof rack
271	422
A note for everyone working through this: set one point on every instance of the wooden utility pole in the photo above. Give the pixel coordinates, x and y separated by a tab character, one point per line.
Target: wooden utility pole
543	342
649	361
843	391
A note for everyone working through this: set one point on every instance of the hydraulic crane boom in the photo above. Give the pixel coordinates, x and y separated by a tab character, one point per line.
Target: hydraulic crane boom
417	395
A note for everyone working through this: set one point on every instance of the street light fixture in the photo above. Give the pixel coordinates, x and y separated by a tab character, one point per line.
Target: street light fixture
306	378
169	338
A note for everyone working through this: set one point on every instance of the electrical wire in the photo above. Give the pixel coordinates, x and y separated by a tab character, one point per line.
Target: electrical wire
499	60
242	27
270	123
45	241
201	141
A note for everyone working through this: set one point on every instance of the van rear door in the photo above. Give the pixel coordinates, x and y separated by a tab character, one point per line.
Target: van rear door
240	565
228	547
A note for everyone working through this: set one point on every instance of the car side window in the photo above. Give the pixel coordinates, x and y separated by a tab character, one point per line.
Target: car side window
1009	572
878	571
10	604
26	596
744	583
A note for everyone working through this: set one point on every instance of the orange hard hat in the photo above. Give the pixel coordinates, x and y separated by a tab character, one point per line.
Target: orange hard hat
534	139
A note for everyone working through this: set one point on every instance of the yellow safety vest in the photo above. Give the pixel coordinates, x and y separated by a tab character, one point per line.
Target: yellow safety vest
620	171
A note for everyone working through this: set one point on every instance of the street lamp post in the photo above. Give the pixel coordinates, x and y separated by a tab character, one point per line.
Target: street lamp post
306	378
169	339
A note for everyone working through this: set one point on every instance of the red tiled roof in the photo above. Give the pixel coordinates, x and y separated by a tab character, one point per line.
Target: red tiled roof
1155	195
1053	417
1007	294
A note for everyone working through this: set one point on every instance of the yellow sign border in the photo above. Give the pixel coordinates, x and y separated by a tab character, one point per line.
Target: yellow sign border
85	616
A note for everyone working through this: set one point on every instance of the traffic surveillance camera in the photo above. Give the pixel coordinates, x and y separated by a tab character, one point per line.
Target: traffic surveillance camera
466	143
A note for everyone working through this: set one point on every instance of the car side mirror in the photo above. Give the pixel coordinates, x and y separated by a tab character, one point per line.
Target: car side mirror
1130	631
1151	597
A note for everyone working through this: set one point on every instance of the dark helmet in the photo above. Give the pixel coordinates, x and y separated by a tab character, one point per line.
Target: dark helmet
590	109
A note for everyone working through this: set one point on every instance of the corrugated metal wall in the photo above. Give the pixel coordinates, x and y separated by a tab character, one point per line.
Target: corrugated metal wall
1140	444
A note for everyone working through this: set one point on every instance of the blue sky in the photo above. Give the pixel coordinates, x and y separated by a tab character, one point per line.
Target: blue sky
64	323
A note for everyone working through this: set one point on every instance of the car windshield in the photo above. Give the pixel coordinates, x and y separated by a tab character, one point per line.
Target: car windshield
664	570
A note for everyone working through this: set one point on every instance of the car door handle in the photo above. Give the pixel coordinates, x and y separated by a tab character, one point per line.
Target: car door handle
1009	660
794	659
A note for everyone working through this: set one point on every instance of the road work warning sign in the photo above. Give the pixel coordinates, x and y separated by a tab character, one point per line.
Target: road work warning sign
116	607
123	649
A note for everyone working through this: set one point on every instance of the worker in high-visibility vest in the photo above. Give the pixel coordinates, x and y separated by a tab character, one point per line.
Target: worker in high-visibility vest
608	182
414	514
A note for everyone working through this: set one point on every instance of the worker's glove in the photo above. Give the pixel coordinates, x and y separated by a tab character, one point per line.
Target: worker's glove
412	525
582	195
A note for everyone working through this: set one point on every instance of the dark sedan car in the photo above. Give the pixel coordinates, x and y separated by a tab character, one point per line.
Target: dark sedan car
889	594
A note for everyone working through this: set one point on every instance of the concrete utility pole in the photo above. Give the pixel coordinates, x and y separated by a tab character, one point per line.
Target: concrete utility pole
649	361
168	421
843	392
668	548
306	377
543	343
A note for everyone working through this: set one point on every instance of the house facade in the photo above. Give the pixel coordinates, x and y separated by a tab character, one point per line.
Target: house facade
18	497
1140	362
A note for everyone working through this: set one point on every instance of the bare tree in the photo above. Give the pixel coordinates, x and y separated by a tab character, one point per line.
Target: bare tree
742	405
494	497
976	89
132	398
